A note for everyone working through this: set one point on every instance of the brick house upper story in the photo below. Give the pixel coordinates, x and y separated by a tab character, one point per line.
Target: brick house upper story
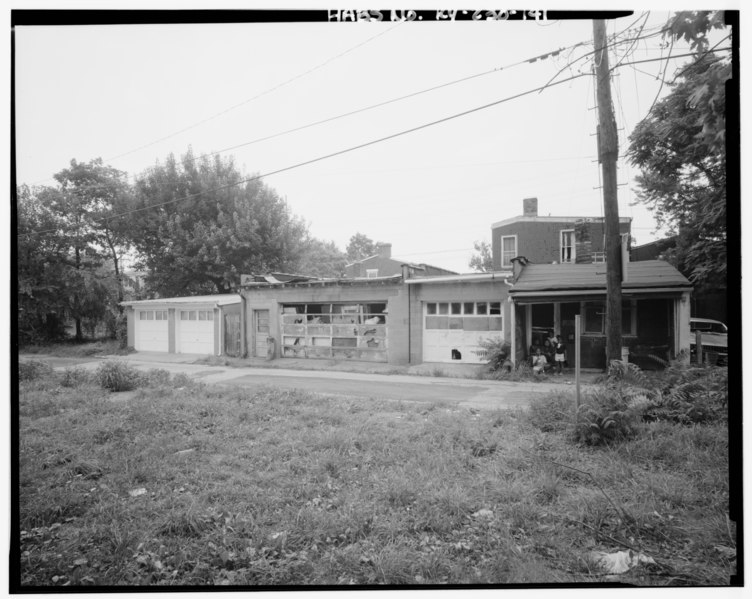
382	264
550	239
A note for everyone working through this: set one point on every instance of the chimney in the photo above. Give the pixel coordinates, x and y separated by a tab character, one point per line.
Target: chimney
518	265
384	250
530	207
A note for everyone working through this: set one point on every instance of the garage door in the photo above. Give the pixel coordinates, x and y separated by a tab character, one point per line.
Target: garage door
196	332
453	331
151	330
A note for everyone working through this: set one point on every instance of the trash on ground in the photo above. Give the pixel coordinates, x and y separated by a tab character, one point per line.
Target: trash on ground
619	562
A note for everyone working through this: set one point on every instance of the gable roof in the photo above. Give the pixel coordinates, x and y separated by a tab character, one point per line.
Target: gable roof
646	275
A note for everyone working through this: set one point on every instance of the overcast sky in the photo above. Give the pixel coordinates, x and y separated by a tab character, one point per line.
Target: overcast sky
134	94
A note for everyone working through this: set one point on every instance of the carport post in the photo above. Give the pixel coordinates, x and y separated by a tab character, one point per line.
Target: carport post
577	363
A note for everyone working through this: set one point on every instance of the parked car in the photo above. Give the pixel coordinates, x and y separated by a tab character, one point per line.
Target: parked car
714	338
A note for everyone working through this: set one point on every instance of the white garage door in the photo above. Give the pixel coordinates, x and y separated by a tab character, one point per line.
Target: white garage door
453	331
195	332
151	330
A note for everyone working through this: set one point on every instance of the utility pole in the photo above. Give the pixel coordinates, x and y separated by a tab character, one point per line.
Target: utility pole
608	153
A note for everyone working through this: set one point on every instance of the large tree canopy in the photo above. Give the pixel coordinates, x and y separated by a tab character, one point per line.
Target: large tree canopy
197	226
680	149
65	239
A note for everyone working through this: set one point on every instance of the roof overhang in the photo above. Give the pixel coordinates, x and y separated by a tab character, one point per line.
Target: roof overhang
523	297
198	300
469	278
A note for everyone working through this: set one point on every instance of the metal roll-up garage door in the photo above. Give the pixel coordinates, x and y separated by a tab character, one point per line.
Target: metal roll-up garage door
151	330
195	333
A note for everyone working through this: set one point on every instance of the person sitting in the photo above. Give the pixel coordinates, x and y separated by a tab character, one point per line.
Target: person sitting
539	362
548	351
534	349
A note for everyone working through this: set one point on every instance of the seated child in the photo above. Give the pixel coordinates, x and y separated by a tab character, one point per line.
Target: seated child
539	362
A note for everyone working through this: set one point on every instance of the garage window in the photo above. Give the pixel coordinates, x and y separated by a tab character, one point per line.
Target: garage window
468	316
205	315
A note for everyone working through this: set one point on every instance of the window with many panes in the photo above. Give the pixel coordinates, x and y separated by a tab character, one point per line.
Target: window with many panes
567	253
508	249
196	315
152	315
467	316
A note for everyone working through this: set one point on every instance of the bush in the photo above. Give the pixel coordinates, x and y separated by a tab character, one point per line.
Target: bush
498	354
117	376
608	415
31	370
75	377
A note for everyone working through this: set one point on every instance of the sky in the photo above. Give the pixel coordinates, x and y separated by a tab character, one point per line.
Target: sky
133	94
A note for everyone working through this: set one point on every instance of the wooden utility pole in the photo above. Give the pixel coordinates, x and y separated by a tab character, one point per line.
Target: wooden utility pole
608	153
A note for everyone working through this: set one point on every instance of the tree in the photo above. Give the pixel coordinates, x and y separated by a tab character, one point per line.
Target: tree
322	259
197	225
482	260
360	246
94	195
680	149
58	264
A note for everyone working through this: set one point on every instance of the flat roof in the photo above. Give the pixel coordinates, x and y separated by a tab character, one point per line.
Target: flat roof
647	274
553	219
325	282
219	299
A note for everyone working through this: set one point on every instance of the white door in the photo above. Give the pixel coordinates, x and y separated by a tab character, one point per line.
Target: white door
151	330
195	332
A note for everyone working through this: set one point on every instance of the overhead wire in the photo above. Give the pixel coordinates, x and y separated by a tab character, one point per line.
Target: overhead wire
384	103
365	144
248	100
340	152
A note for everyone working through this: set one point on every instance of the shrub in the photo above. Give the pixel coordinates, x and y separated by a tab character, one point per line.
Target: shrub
75	377
31	370
117	376
498	354
689	394
608	415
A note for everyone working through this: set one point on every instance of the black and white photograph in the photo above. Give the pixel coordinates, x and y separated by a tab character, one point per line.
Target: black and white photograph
387	298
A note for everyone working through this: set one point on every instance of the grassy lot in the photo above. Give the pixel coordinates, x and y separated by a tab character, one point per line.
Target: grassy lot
72	349
178	483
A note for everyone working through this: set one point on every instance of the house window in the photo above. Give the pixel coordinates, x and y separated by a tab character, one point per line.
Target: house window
372	273
567	253
594	318
599	257
508	249
594	322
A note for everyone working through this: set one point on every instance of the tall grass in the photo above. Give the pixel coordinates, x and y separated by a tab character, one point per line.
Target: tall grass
197	485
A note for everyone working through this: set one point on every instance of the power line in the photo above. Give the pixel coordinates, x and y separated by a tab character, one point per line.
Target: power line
372	106
259	95
344	151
